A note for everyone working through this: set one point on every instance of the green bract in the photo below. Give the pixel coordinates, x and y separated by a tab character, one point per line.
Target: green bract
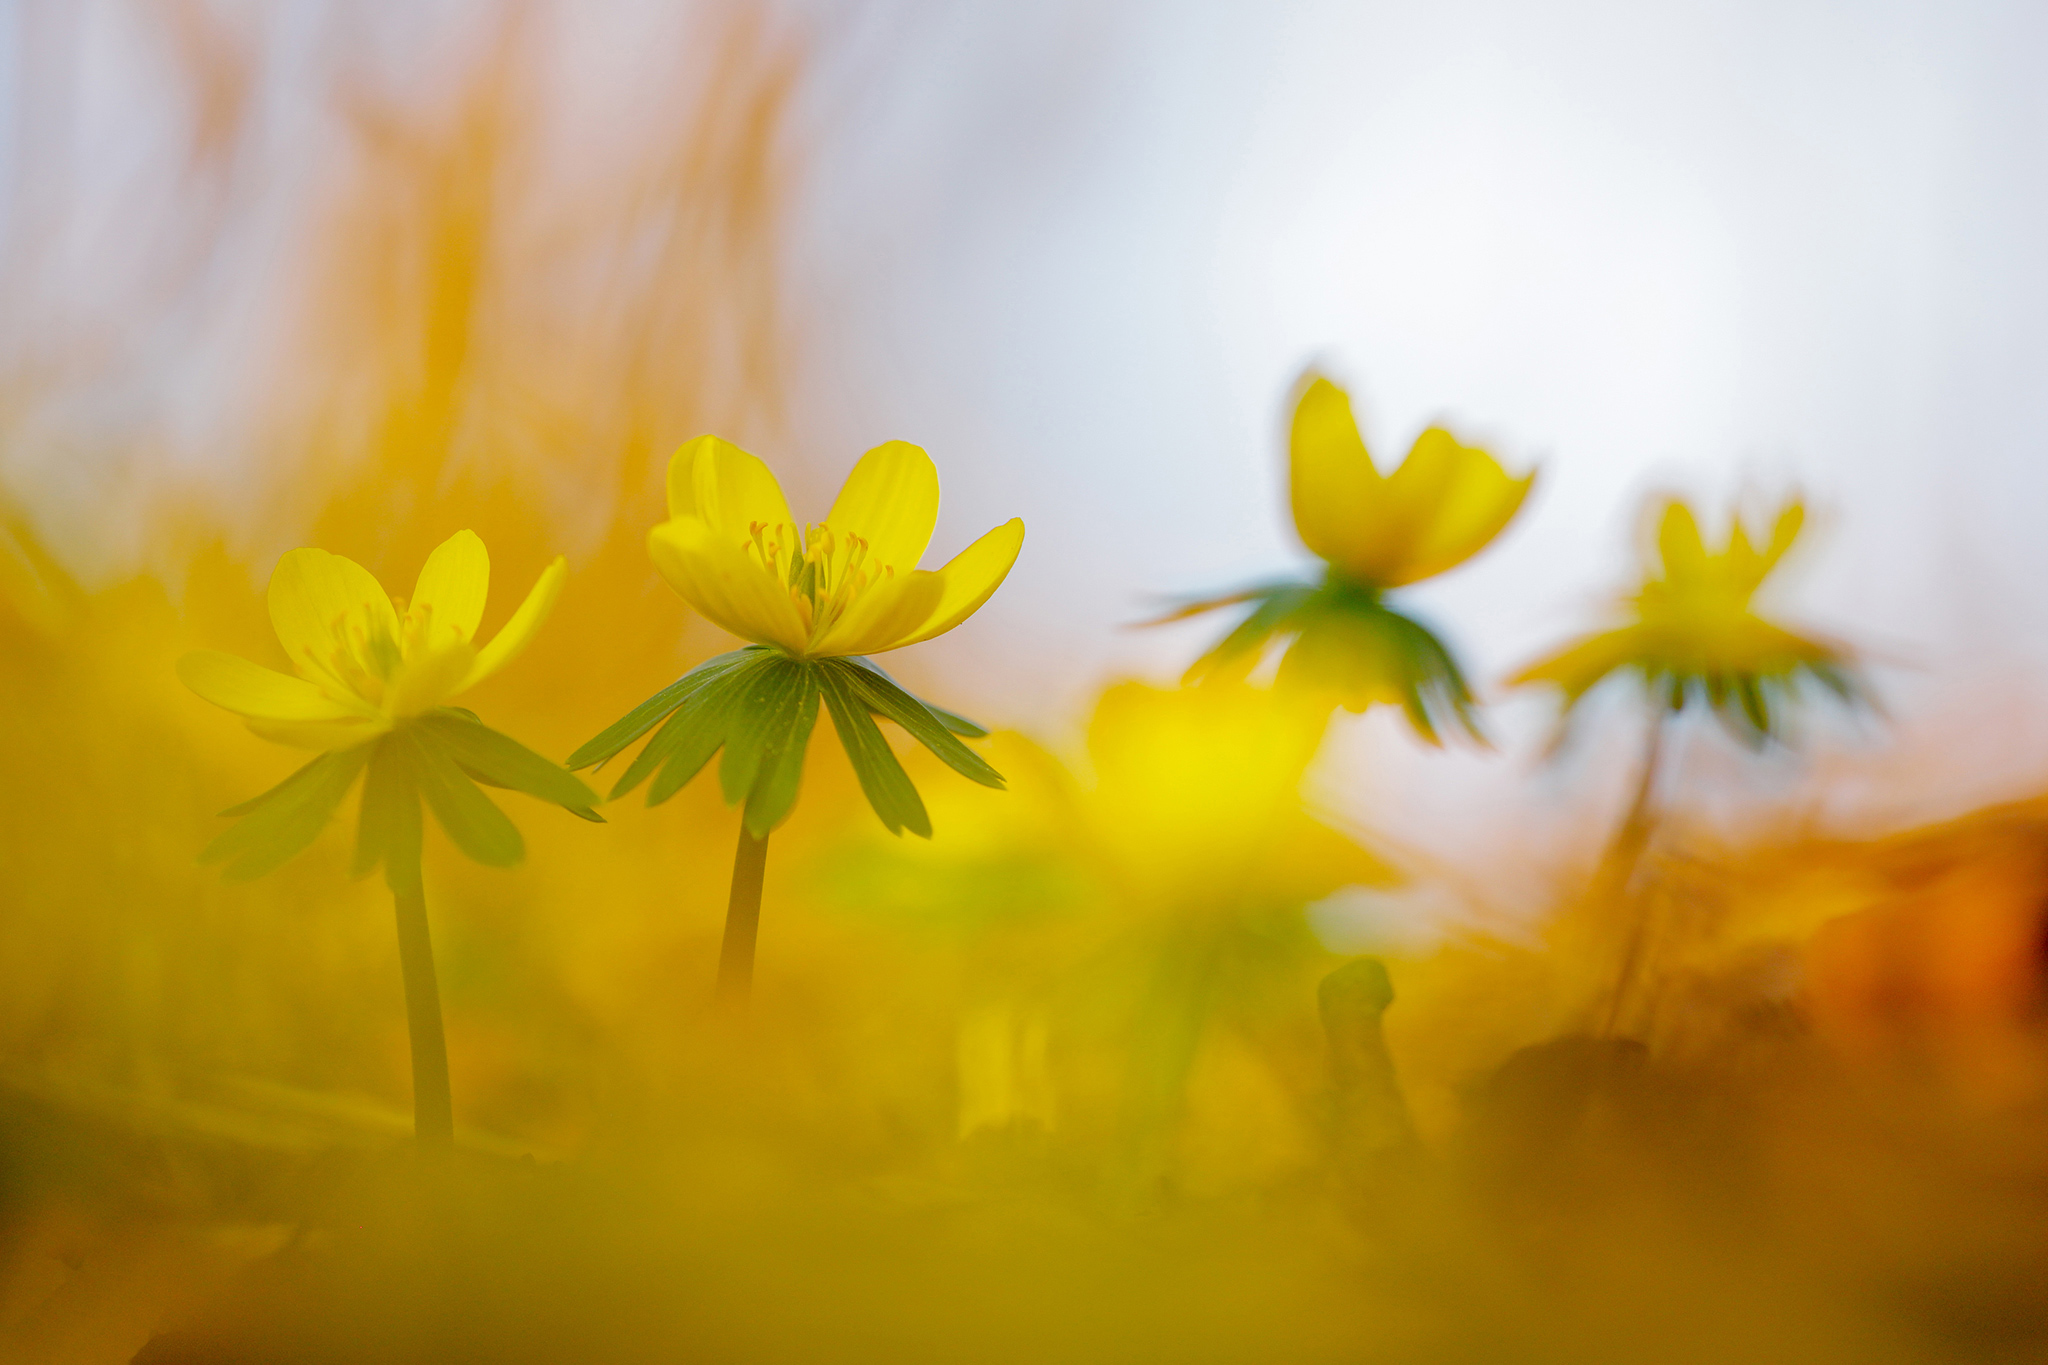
1347	644
759	704
439	756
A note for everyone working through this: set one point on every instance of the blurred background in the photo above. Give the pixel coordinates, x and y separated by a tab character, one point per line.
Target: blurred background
1081	252
359	275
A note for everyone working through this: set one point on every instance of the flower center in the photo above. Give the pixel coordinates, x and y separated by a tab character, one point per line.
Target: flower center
365	656
824	573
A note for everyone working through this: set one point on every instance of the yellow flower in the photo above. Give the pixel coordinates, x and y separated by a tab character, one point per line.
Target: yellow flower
364	663
848	585
1694	631
368	695
1443	505
1374	532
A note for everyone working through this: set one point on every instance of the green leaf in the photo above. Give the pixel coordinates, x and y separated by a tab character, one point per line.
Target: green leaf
693	734
889	789
286	818
504	762
388	826
782	760
952	720
649	713
1276	605
885	698
476	825
761	714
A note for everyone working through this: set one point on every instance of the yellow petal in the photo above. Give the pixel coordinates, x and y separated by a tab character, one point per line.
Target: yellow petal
1336	492
726	585
1679	545
454	582
1453	500
891	500
723	486
1784	533
971	577
879	618
514	634
322	734
311	593
1579	667
249	689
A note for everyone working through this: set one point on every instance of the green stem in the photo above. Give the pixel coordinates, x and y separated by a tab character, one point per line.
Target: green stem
742	921
433	1105
1625	859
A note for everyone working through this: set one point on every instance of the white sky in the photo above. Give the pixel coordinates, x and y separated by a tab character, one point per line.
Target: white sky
1081	256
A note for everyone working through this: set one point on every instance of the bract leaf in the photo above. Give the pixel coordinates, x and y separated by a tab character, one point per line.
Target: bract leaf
761	713
504	762
952	720
889	789
649	713
782	760
885	698
388	826
286	818
692	735
472	820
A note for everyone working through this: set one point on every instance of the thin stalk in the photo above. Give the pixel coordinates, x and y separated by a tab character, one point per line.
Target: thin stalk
742	921
1624	859
433	1105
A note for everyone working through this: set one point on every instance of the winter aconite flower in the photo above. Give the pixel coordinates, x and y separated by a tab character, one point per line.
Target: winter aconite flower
1374	533
1691	632
813	600
369	682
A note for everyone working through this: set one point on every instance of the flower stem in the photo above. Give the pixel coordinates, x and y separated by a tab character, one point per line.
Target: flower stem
742	921
1625	861
433	1106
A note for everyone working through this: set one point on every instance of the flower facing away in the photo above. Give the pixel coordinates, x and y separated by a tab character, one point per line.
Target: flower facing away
370	682
1695	634
1374	532
813	603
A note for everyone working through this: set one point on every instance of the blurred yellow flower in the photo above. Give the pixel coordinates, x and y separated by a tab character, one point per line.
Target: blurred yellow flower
362	665
1694	632
369	691
1444	504
847	585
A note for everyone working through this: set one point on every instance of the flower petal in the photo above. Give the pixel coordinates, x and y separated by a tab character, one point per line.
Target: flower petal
311	593
971	578
454	582
880	617
513	635
723	486
714	574
891	500
1679	545
1580	666
251	690
1338	496
1454	499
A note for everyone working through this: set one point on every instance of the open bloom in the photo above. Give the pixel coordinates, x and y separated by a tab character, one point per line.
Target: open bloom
364	663
847	585
1374	532
371	679
1693	631
813	604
